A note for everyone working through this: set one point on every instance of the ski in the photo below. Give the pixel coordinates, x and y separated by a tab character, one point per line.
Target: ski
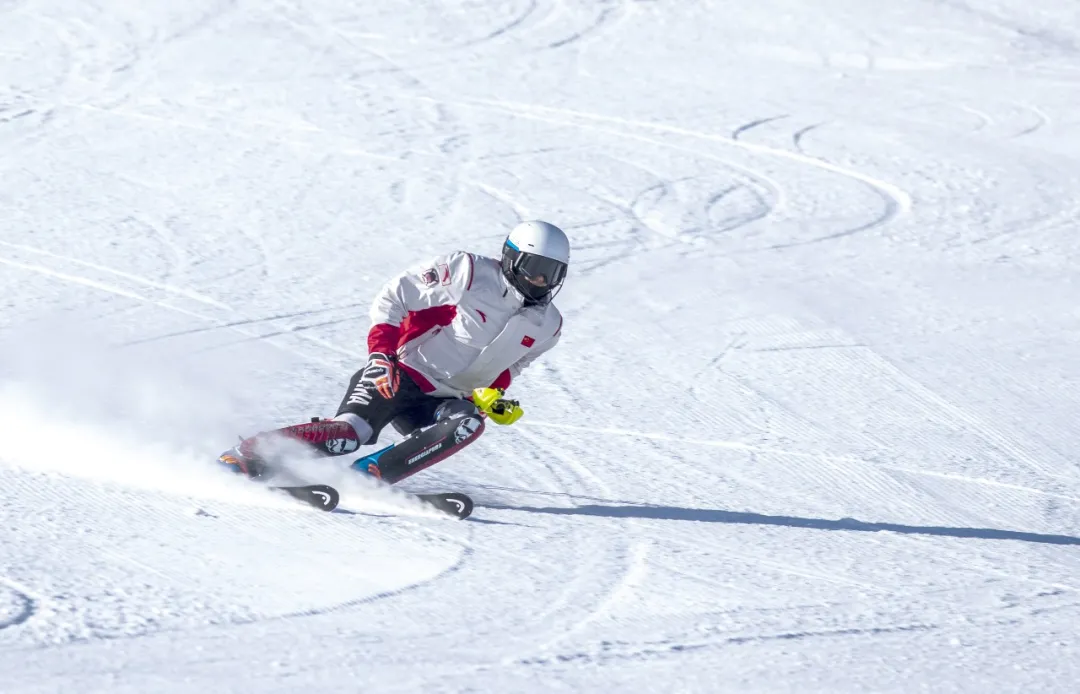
326	498
388	466
420	450
453	504
319	496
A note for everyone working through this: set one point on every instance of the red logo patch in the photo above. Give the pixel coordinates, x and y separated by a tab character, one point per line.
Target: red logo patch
528	341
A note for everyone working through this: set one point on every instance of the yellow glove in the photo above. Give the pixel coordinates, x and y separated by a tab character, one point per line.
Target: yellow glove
496	407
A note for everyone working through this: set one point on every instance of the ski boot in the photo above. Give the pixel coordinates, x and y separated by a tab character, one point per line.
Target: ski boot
323	437
240	459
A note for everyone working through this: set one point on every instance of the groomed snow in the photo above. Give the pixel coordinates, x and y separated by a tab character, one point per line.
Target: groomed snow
810	428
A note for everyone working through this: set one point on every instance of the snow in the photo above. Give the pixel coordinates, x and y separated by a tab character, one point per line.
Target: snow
809	428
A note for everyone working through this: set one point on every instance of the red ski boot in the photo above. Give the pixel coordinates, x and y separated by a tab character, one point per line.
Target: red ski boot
325	437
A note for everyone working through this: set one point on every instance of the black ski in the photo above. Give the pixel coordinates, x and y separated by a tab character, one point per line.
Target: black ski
451	503
326	498
319	496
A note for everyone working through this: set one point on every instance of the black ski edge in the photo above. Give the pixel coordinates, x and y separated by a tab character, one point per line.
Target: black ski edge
320	496
454	504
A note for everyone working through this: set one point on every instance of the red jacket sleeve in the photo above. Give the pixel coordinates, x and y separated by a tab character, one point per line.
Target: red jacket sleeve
383	338
441	282
503	381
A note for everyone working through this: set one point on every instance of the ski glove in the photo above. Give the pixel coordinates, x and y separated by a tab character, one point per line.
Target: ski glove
491	402
381	374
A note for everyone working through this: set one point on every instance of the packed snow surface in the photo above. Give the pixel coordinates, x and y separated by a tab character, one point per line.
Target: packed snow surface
811	426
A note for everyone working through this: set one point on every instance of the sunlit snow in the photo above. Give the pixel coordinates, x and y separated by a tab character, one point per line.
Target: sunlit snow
810	428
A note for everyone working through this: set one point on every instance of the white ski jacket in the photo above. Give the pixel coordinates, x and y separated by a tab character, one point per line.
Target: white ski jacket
457	324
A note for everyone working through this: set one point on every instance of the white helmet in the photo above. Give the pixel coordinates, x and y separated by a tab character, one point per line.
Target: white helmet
534	260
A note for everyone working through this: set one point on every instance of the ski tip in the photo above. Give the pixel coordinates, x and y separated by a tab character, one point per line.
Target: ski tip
327	497
320	496
454	504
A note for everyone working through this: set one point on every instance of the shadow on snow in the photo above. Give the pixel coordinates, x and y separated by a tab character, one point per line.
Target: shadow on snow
741	518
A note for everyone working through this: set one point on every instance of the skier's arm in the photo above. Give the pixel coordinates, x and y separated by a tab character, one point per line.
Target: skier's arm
442	282
491	401
521	364
503	381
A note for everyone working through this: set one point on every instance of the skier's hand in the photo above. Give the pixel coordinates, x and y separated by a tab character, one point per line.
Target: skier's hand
381	374
500	410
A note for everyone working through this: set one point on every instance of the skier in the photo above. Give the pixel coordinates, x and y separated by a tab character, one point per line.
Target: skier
459	328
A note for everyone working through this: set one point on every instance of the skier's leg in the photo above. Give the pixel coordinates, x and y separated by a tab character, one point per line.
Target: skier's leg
322	437
360	417
360	426
368	413
416	417
429	411
436	429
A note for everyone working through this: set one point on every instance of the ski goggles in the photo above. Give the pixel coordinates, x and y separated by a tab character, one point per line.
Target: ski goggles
539	274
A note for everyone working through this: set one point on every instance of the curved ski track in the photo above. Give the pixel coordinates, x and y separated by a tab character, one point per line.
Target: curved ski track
895	199
16	605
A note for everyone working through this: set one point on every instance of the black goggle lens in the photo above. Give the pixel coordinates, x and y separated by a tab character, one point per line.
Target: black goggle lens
539	271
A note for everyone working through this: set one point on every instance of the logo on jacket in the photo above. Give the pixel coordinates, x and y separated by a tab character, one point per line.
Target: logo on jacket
528	341
483	318
429	277
466	429
445	274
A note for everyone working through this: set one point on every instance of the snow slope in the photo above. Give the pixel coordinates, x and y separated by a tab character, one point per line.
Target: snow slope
809	429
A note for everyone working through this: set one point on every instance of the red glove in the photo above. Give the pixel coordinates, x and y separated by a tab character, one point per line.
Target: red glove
381	374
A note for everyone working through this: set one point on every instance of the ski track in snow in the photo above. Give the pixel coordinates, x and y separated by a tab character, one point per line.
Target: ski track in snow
809	426
896	200
18	606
